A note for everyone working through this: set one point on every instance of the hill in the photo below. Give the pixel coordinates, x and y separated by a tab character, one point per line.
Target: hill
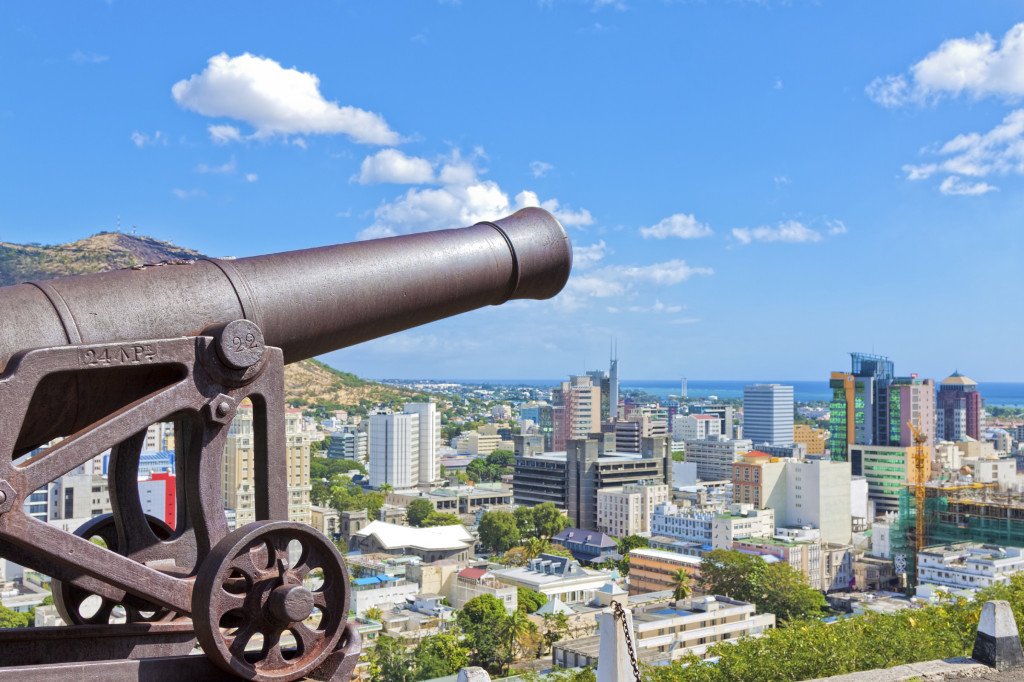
99	253
308	382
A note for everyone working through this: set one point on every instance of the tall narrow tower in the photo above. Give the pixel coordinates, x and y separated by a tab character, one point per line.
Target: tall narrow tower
613	383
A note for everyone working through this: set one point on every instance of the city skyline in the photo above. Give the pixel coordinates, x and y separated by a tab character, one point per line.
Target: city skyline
752	188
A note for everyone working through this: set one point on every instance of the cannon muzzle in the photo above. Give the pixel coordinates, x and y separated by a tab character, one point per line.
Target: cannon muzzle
306	302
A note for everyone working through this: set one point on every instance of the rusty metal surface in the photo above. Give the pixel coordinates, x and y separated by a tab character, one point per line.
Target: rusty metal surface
155	669
37	646
97	359
249	588
306	302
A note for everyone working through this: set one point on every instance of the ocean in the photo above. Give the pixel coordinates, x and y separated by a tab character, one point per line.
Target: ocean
1006	394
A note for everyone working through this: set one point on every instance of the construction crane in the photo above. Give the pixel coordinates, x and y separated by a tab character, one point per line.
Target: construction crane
920	456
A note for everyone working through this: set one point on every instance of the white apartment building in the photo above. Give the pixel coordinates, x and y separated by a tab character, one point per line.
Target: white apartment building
713	527
696	427
475	582
429	440
482	442
714	457
968	565
627	510
394	449
666	630
993	470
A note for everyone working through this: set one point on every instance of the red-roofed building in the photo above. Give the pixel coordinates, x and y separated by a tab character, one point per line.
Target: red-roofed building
474	582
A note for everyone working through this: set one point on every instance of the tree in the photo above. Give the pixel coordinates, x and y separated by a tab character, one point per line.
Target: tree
556	628
480	619
441	519
516	627
478	471
385	488
501	458
12	619
784	592
374	613
773	588
535	547
681	584
631	542
730	573
389	661
524	520
498	531
548	520
439	656
528	600
417	511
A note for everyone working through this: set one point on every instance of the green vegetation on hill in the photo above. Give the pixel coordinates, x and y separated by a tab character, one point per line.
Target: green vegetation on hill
99	253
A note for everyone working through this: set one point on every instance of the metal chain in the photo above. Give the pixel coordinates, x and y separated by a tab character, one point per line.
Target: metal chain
620	615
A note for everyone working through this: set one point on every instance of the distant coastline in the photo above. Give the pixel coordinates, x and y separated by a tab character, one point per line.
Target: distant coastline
1006	394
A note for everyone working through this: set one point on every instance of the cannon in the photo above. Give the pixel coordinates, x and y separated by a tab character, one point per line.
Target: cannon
90	362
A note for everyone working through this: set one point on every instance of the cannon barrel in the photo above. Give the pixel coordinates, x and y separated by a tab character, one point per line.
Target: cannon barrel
306	302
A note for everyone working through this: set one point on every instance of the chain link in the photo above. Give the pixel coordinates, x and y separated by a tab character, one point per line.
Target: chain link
620	615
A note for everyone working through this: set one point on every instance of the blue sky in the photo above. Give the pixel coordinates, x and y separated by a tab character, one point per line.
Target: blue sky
753	189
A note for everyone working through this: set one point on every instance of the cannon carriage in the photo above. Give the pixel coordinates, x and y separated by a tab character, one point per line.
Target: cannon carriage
94	360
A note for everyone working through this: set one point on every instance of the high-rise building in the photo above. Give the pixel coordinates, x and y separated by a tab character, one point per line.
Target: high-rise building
629	432
297	458
768	414
815	492
577	410
238	482
429	440
714	457
394	449
627	510
888	470
613	384
960	409
911	400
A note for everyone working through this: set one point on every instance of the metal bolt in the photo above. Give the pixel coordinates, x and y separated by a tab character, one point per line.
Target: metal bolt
222	409
3	497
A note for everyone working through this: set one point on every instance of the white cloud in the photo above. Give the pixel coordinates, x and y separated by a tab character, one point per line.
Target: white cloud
791	231
463	198
540	168
226	168
978	66
678	225
188	193
585	256
890	91
251	177
621	281
781	180
953	185
88	57
224	134
275	101
658	307
685	320
299	142
778	83
144	139
1000	151
836	227
391	165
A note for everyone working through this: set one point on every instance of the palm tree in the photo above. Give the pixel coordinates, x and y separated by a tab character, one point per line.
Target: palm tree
681	584
385	488
374	613
535	547
517	625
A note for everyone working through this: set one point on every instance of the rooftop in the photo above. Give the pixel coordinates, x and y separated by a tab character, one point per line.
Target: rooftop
394	536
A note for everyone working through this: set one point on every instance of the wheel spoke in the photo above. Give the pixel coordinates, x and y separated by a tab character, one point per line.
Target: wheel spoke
245	563
310	638
236	642
272	658
225	601
320	600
